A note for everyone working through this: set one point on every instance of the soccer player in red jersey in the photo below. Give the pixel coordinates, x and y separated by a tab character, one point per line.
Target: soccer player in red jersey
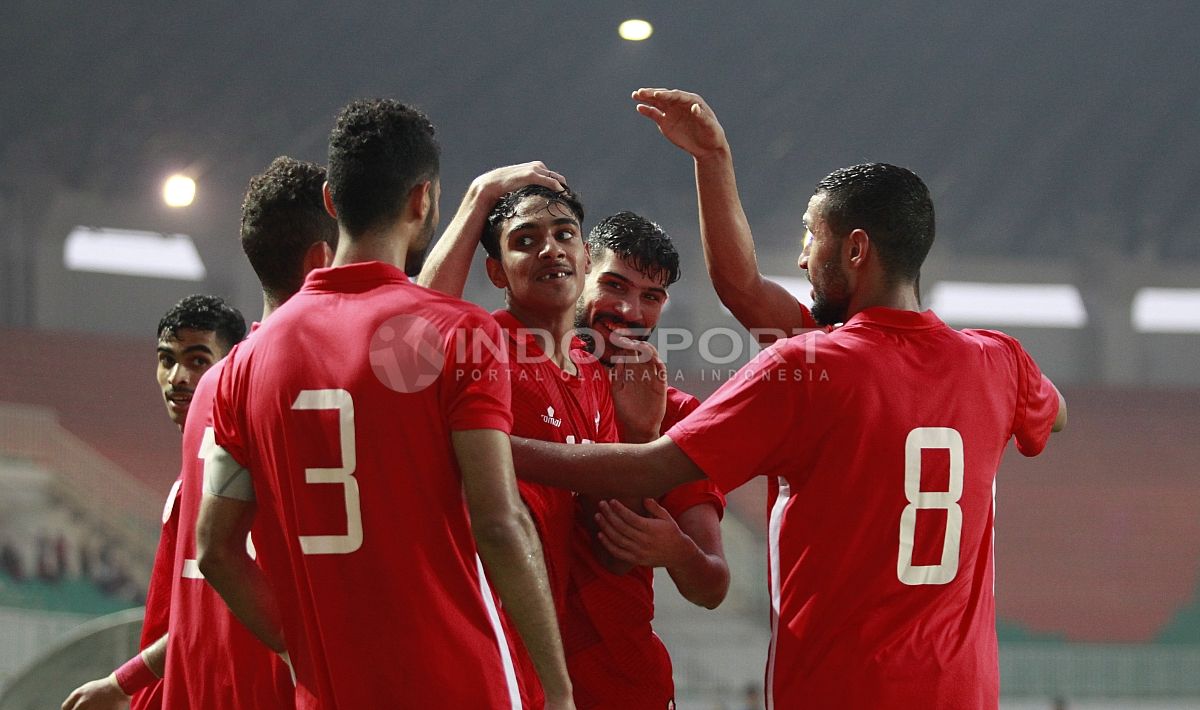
213	661
612	652
367	423
195	334
536	254
617	658
885	436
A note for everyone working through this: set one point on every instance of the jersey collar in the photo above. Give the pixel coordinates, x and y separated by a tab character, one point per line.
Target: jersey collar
894	318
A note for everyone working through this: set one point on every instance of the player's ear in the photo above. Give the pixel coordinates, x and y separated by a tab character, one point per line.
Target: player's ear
328	197
858	247
495	272
318	256
420	200
587	260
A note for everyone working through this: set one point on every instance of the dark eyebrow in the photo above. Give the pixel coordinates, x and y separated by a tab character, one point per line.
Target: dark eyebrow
533	225
621	278
189	349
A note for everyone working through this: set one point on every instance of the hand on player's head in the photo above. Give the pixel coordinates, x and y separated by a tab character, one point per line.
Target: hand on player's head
494	184
684	119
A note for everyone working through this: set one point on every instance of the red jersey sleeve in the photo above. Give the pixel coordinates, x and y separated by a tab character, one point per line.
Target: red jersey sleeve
228	405
679	405
1037	403
731	436
479	389
1037	400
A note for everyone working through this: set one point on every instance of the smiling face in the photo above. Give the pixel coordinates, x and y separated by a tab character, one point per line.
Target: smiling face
619	296
183	357
543	260
821	259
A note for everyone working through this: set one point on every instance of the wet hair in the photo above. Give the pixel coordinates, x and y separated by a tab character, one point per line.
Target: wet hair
379	150
891	204
283	216
204	312
642	242
506	208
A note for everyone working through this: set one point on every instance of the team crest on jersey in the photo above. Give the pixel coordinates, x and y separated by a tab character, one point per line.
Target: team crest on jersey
548	417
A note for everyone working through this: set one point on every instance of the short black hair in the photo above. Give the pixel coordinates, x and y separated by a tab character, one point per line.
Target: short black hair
283	215
506	208
378	151
204	312
643	243
894	207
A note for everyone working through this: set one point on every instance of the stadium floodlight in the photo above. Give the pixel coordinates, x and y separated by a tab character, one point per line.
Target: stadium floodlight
179	191
133	253
1166	310
1007	304
635	30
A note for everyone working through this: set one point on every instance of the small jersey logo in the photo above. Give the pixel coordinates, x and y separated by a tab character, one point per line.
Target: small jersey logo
548	417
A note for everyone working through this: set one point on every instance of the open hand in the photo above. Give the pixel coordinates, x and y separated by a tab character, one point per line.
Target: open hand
494	184
654	541
684	119
99	694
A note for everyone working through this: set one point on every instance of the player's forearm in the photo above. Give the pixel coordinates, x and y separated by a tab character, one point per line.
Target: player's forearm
449	263
155	656
702	578
725	233
512	555
243	586
600	470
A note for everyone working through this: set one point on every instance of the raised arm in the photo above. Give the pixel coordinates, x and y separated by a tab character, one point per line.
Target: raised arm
759	304
509	547
448	265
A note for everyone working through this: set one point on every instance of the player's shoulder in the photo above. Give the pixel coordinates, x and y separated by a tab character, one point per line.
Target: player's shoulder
679	400
991	340
442	308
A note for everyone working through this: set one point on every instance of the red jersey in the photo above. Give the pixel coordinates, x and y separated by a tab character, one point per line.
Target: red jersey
342	406
213	661
549	404
885	436
156	618
615	658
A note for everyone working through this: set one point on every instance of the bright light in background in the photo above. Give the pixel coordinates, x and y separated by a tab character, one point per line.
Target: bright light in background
179	191
1167	310
1005	304
133	253
635	30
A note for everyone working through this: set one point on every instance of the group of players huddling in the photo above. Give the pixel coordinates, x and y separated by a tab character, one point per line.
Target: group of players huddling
390	498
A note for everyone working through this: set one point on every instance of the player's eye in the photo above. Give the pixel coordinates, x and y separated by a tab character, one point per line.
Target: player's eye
564	234
524	242
614	285
653	297
166	361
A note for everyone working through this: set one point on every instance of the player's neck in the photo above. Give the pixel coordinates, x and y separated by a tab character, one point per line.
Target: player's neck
559	326
901	297
389	246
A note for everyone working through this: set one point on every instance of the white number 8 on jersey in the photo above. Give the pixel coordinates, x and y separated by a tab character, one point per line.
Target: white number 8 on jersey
918	440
